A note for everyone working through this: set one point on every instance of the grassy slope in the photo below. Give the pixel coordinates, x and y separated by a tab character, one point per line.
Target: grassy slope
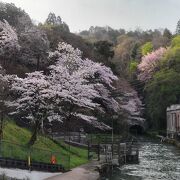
41	150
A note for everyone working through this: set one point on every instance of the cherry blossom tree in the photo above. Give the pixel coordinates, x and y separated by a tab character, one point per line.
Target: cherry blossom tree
72	90
57	97
83	72
96	74
149	64
54	97
8	40
32	100
5	84
72	94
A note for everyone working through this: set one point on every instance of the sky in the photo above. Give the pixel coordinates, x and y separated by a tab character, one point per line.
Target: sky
128	14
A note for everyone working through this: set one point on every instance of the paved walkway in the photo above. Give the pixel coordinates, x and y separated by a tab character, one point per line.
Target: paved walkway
84	172
25	174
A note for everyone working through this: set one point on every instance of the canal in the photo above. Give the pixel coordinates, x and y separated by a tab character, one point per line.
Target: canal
156	161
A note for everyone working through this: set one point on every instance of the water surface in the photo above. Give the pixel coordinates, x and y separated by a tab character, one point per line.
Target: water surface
157	161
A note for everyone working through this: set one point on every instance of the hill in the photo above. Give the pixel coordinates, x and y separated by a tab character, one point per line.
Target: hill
14	146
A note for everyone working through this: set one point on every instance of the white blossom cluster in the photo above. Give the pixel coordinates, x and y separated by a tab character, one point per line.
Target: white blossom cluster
8	39
67	91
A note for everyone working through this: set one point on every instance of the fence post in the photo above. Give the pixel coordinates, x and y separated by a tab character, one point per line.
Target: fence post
112	148
88	151
106	152
119	151
69	149
29	159
98	150
1	148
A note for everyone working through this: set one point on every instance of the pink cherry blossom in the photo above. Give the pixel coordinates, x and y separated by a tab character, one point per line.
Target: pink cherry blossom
149	64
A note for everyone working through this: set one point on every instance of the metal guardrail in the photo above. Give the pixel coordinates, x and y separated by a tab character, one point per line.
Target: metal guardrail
40	159
22	164
117	153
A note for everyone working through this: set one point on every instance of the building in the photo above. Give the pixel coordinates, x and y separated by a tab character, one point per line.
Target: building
173	121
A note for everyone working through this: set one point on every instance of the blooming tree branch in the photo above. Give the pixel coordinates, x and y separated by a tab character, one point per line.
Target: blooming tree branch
149	64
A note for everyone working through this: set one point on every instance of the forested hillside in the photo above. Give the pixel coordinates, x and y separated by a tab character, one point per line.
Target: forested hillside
51	78
47	76
149	61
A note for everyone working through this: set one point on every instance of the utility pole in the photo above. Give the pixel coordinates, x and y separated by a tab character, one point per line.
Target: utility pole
113	118
112	130
2	115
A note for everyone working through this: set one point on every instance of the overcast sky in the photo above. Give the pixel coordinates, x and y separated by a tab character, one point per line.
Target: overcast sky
128	14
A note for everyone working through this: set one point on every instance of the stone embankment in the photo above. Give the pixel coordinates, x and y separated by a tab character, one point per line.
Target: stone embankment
169	141
173	141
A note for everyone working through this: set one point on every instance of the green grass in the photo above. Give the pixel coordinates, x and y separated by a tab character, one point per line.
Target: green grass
42	149
100	138
154	133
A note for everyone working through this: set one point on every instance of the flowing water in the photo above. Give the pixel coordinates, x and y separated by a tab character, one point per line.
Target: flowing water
156	161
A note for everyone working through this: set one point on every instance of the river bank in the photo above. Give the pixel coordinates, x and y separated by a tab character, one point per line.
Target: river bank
173	142
155	136
156	161
163	139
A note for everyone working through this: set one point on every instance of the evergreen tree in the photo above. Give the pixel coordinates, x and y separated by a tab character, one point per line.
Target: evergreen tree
59	20
167	33
52	20
56	22
178	28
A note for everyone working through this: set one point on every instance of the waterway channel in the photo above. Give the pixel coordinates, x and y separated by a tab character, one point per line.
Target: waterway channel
156	161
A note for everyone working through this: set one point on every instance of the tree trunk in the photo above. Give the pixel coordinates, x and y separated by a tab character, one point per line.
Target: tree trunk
42	128
1	125
38	63
34	135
